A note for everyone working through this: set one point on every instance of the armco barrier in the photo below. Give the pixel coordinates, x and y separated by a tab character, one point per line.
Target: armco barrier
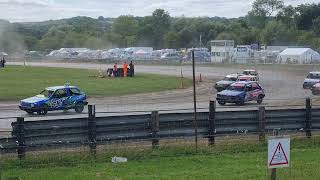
91	131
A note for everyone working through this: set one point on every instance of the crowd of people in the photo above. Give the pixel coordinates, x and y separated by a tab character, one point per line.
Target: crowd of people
127	70
2	62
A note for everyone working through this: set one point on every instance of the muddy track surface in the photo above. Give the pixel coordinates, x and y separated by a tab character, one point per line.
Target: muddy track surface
283	87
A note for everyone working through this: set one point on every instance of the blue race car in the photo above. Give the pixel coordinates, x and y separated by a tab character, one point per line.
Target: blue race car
241	92
55	98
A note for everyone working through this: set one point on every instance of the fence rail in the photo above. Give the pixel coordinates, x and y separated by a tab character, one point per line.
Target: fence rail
154	126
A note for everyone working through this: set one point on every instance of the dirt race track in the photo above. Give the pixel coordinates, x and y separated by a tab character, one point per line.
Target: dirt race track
283	86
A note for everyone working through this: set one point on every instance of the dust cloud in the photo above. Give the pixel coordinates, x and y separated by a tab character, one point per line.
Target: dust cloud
10	40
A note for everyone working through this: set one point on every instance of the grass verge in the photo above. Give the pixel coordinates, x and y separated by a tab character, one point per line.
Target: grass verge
222	161
19	82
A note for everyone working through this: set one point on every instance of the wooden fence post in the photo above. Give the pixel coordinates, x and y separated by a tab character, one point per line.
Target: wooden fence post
155	129
92	129
308	117
262	123
21	149
212	123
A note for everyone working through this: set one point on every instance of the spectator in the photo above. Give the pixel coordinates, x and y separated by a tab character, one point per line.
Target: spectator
115	70
109	72
3	62
125	69
131	71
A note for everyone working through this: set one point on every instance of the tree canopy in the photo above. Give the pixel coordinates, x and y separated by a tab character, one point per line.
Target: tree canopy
269	22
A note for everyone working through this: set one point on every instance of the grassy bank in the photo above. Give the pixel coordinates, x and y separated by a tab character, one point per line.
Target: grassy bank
223	161
18	82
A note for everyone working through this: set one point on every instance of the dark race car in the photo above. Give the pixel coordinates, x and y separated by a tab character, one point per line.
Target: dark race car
241	92
55	98
226	82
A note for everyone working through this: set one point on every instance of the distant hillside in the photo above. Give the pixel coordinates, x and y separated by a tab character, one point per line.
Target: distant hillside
291	26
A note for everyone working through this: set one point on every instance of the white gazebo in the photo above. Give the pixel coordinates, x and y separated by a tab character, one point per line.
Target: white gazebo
298	56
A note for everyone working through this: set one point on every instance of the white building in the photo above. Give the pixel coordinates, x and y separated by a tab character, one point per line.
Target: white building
243	54
298	56
222	51
269	54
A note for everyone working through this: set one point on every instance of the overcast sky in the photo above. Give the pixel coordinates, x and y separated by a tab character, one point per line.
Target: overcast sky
40	10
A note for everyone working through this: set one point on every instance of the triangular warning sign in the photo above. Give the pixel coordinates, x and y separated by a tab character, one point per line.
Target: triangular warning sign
279	157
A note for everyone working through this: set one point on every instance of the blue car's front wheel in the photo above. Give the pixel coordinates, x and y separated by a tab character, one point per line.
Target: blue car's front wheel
260	99
79	107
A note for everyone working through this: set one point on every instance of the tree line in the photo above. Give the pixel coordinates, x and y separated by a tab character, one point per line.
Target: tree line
269	22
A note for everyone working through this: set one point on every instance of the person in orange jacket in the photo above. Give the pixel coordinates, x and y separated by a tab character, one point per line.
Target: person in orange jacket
125	69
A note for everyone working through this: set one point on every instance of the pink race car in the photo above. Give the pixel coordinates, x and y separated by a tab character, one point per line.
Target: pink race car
315	89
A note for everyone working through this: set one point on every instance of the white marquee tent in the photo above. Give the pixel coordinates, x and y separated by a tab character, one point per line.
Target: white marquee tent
298	56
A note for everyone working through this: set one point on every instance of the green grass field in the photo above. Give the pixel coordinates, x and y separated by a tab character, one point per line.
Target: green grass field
223	161
19	82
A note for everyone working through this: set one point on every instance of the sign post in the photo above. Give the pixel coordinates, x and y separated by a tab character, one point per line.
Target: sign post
278	153
194	101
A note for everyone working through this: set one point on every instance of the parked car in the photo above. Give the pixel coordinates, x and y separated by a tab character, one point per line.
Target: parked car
171	56
248	78
199	56
315	89
226	82
311	79
241	92
55	98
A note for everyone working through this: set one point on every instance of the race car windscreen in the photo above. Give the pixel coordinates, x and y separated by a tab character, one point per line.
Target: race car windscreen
313	76
230	79
249	73
244	79
46	93
236	88
76	91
